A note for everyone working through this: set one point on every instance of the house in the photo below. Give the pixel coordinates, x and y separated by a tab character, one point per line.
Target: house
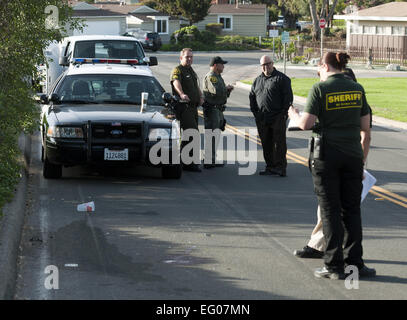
147	18
98	20
383	26
230	1
238	19
100	17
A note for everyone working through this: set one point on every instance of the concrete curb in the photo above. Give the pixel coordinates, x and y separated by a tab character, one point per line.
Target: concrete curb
376	120
11	226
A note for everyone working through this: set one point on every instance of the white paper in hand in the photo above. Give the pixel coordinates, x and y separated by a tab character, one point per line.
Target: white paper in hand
293	125
368	182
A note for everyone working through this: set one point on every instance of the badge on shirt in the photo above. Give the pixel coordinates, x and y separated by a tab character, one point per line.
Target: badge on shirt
213	79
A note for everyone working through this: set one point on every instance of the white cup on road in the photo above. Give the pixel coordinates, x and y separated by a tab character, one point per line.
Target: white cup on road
89	206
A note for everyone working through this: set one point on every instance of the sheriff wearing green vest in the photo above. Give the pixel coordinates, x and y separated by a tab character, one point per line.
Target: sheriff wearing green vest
215	94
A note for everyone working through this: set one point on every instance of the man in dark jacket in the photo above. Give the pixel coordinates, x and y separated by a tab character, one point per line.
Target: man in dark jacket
270	97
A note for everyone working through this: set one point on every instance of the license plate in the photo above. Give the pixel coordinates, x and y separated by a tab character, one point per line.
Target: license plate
116	155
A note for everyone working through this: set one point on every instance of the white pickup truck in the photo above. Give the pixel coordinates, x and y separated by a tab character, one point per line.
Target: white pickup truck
60	55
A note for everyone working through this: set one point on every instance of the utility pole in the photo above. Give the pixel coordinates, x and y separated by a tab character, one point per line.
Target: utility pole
285	38
322	23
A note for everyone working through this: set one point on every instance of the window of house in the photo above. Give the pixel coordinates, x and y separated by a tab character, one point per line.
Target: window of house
379	30
161	26
357	29
227	22
354	28
396	30
368	29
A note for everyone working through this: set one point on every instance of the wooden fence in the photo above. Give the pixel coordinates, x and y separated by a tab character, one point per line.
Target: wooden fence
302	47
378	56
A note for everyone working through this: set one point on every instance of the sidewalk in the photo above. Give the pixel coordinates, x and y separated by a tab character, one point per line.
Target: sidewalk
379	121
11	225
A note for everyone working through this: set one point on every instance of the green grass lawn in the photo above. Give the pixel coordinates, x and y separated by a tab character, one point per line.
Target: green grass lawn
386	96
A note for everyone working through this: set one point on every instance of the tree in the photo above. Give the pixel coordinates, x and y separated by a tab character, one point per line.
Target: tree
23	36
317	9
326	12
150	3
290	9
193	10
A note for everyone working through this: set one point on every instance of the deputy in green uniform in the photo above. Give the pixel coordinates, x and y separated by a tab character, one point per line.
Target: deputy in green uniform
336	161
184	83
215	95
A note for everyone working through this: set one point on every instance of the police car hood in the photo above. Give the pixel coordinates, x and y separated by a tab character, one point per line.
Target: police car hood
106	113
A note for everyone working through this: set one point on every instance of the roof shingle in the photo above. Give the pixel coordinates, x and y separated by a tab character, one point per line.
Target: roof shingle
391	9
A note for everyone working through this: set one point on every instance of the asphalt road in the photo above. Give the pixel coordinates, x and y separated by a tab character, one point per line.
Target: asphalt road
211	235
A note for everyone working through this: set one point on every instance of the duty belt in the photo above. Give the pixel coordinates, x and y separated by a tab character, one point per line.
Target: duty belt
221	107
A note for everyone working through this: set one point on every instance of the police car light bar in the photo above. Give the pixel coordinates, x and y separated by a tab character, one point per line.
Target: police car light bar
97	60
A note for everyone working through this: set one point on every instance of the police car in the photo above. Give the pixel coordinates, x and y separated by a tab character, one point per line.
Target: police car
108	112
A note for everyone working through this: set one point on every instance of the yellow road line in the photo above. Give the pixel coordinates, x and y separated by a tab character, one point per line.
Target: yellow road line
388	198
301	160
378	191
392	194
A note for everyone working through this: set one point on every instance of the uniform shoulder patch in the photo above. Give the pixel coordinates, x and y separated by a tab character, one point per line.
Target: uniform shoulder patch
213	79
175	74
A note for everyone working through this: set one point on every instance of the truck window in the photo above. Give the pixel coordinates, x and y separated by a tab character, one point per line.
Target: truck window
113	49
67	49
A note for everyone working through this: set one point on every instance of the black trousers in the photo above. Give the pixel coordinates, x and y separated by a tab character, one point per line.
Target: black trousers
188	120
338	185
273	140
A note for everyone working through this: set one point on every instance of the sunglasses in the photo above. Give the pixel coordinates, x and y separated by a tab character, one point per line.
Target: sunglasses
266	64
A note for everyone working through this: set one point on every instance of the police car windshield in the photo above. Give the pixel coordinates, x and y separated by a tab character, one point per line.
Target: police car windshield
112	49
110	88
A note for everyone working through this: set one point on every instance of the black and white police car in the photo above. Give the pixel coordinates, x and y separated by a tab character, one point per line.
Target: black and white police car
108	112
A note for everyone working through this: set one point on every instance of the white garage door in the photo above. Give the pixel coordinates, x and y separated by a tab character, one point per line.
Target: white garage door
100	27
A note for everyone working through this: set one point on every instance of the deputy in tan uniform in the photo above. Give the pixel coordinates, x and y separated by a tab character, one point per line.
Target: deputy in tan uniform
184	83
215	96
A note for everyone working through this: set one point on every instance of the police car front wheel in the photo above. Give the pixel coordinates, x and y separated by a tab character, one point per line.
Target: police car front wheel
51	171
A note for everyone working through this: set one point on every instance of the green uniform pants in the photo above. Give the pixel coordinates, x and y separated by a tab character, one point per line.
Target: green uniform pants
213	119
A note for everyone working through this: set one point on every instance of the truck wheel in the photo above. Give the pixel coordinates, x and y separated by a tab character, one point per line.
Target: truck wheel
172	171
51	171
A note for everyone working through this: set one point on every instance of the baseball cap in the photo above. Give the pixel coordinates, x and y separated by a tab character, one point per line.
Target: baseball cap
216	60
